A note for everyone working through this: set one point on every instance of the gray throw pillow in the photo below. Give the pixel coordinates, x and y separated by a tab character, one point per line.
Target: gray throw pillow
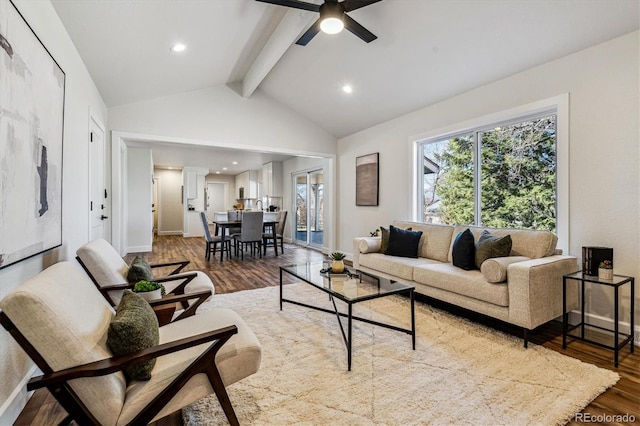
134	327
489	246
139	270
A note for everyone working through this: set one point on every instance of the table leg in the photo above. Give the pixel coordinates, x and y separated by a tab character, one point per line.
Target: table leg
349	339
223	232
616	327
565	316
275	241
280	288
413	321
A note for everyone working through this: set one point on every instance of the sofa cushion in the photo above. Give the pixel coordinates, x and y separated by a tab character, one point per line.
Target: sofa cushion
495	269
489	246
403	242
139	270
400	267
468	283
135	327
436	239
464	251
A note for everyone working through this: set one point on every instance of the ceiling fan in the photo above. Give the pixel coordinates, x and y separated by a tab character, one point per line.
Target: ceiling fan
333	17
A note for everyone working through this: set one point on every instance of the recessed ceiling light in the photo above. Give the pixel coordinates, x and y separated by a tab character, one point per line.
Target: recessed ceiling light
235	162
347	88
218	173
178	47
224	168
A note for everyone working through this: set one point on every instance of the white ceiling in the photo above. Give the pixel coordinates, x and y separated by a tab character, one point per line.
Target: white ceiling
426	51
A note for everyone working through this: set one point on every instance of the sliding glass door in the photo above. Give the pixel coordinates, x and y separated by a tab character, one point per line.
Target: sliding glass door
309	203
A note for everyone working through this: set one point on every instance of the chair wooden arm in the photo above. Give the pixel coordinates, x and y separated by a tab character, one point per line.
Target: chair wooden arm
114	364
189	310
187	278
181	265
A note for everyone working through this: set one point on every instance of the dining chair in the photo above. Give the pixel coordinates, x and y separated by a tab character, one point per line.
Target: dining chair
267	237
213	241
72	334
250	233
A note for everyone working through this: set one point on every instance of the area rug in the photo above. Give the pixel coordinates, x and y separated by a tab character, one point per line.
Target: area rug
459	373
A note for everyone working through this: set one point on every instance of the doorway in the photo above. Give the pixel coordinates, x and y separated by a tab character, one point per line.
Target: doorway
309	207
216	200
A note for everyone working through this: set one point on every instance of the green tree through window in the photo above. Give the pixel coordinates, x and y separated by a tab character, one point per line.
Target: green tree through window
516	176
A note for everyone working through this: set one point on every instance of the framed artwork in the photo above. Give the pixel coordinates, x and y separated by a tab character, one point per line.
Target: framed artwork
31	126
367	180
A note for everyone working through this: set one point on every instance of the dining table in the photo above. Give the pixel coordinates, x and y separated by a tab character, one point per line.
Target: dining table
223	225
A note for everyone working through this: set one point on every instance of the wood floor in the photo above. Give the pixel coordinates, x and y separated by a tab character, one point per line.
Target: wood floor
236	275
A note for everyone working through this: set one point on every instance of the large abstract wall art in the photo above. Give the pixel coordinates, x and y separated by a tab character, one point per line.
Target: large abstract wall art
31	128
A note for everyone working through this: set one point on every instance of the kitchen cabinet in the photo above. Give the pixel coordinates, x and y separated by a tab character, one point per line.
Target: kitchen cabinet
249	182
272	179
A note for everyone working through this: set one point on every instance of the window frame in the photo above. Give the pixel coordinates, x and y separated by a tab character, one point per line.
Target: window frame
558	105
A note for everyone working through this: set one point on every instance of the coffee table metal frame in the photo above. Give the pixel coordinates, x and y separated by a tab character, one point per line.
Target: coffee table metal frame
386	287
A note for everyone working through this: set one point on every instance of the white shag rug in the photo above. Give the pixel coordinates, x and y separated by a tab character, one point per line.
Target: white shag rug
460	372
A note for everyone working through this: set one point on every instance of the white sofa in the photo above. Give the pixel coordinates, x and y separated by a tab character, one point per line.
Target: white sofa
529	295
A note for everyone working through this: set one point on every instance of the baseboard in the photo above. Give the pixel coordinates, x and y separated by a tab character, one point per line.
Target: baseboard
139	249
169	232
13	406
604	322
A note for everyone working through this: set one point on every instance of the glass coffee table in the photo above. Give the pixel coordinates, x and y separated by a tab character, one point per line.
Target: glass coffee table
351	287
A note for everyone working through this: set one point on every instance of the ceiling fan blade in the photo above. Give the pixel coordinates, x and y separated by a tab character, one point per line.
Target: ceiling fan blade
309	34
350	5
357	29
294	4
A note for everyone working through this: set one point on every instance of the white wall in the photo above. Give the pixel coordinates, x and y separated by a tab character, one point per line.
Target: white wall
604	197
81	96
218	116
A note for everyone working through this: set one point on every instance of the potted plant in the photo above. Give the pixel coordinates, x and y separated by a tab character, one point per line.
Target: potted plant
337	264
149	290
605	270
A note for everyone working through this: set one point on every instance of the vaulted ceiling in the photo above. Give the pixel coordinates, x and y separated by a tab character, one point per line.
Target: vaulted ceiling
426	51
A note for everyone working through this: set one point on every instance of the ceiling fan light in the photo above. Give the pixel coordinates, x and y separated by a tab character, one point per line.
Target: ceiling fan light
331	25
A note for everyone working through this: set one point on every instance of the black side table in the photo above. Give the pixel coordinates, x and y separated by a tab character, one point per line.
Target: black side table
619	339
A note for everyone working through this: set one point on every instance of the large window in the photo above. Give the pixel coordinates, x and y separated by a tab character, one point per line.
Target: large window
500	175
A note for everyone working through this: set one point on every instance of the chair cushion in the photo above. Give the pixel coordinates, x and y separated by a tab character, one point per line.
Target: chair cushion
489	246
139	270
103	262
135	327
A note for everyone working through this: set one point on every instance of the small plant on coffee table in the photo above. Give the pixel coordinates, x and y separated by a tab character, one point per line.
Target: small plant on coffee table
337	264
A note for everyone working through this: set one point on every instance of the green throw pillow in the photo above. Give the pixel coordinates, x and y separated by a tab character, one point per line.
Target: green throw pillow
489	246
384	240
135	327
139	270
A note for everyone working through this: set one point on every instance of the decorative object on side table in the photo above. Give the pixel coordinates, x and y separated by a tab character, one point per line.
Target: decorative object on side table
149	290
605	270
592	256
375	233
337	264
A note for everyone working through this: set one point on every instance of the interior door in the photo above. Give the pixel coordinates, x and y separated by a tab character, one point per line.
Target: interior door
97	191
309	196
216	199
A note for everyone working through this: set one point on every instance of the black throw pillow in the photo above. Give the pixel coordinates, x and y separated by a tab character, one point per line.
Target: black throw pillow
403	242
464	251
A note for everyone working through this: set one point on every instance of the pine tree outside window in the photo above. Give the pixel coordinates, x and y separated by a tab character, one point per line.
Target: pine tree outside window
500	175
